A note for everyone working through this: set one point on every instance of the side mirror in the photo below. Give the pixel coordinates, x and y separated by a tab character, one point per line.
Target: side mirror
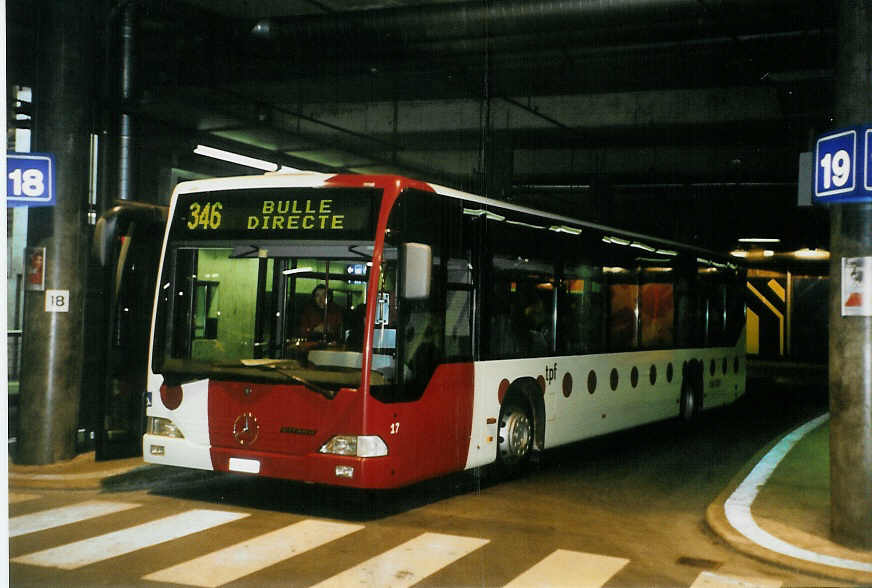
417	259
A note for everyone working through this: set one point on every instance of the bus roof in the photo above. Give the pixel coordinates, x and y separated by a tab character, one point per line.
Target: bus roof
318	179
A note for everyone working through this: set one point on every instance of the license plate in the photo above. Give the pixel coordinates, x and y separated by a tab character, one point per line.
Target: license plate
248	466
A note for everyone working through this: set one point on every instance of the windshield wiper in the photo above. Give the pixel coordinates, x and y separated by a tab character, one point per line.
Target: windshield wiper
325	392
276	365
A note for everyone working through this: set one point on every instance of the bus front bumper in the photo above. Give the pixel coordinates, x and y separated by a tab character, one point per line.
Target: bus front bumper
318	468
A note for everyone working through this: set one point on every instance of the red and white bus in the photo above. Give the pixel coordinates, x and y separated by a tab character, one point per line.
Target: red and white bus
374	331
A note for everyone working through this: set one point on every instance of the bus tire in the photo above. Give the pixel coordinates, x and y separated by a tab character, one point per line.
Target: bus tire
515	435
691	393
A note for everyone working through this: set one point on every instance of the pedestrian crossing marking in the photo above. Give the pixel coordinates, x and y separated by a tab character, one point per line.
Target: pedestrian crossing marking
571	568
407	564
103	547
57	517
16	497
402	566
712	580
242	559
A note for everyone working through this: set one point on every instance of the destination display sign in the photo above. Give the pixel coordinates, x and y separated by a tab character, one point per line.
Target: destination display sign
277	213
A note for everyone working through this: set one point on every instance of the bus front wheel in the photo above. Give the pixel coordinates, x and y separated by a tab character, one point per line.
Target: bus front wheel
515	435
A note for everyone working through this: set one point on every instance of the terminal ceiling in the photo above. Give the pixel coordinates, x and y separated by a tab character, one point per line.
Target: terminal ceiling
683	118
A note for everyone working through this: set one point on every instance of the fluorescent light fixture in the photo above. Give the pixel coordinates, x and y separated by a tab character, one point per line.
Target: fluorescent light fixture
659	270
296	270
768	253
812	254
565	229
523	224
643	247
739	253
236	158
615	240
485	213
759	240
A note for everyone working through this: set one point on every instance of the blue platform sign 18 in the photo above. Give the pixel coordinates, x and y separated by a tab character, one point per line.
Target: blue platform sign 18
843	172
30	179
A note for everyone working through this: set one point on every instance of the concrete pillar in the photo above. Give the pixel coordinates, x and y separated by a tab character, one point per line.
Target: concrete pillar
850	352
52	341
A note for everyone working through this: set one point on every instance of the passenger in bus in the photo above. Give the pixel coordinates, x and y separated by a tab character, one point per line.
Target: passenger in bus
534	321
318	311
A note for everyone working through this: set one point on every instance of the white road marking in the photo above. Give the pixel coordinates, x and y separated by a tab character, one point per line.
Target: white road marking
57	517
737	508
712	580
242	559
571	568
103	547
409	563
16	497
79	476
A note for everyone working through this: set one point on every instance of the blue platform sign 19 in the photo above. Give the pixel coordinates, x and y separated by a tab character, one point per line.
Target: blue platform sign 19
30	179
843	172
867	172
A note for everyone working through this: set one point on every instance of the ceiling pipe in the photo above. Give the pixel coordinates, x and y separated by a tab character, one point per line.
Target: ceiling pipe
417	26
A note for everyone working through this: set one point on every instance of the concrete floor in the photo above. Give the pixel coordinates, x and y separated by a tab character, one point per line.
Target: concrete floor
624	510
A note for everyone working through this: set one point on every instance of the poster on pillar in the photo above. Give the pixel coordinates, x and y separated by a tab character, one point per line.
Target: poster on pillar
857	286
35	259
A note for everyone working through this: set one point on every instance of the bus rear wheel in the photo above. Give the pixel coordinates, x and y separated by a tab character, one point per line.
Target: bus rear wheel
515	435
691	394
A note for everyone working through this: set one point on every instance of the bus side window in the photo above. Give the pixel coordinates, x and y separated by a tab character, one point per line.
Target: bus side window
458	284
623	308
418	217
520	303
656	309
458	310
580	309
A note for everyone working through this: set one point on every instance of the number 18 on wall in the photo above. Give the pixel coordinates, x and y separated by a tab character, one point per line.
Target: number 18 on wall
843	170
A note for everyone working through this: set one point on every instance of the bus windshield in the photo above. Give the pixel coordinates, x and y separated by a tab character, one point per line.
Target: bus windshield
300	314
245	296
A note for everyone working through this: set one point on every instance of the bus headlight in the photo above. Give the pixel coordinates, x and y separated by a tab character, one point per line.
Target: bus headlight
356	445
163	428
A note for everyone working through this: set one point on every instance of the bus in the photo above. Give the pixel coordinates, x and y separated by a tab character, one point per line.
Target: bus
126	247
373	331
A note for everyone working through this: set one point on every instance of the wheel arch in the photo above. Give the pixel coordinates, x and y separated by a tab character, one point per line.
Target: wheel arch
526	390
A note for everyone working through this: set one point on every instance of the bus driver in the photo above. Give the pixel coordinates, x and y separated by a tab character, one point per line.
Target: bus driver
318	310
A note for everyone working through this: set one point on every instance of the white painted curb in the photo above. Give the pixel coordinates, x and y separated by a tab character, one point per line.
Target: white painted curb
738	506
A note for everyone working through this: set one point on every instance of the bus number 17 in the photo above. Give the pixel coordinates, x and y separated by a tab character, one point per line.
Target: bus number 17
395	428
